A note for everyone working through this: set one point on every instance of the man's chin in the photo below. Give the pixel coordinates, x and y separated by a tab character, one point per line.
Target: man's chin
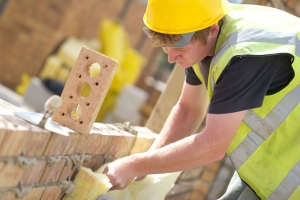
183	65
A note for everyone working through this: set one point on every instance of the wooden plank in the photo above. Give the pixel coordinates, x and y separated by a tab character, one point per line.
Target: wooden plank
166	100
88	107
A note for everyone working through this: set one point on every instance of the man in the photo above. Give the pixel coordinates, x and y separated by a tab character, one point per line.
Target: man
250	65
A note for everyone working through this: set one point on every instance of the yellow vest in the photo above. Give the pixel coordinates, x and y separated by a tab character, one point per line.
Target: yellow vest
265	151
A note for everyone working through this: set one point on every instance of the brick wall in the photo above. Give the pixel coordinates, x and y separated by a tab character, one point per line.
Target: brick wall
31	30
35	163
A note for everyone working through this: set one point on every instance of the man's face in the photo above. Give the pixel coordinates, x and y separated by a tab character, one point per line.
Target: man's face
195	52
188	55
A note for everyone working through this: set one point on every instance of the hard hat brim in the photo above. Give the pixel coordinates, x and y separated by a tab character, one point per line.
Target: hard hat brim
185	39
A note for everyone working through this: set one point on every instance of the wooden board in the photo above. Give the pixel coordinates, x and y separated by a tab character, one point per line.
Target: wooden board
166	100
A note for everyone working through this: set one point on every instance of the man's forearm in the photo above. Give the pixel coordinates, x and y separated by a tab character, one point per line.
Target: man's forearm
181	123
199	149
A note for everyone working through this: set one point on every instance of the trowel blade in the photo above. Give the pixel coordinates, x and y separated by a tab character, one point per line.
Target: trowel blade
35	118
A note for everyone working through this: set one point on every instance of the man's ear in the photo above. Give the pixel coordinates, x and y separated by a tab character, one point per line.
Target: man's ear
214	30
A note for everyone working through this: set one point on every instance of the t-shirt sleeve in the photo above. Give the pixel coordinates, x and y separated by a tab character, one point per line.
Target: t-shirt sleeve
191	77
244	83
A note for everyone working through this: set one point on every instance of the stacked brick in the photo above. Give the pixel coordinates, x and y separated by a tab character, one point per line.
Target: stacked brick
38	164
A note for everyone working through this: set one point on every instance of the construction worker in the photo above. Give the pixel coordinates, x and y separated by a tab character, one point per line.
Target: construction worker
249	63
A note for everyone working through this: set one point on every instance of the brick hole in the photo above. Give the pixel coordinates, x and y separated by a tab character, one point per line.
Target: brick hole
87	104
62	114
97	83
79	76
106	66
87	57
94	70
76	112
71	97
81	122
85	90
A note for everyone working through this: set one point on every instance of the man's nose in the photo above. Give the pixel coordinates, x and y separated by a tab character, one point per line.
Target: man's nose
171	54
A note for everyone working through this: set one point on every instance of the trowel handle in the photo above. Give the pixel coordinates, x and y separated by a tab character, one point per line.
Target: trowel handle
53	103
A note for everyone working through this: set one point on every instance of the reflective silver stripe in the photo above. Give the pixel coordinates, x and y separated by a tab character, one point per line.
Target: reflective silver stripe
262	128
256	35
288	185
239	156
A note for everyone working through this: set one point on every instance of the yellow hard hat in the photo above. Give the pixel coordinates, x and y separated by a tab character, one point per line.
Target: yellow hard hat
183	16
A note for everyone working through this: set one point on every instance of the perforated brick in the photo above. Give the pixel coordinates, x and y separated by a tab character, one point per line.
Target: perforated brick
86	107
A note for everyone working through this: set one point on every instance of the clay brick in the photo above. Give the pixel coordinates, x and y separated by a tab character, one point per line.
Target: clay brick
56	145
180	189
36	142
34	193
52	173
292	3
90	164
202	188
34	173
208	175
13	140
98	163
196	195
92	142
122	141
191	174
10	175
144	139
182	196
67	171
91	104
52	193
74	140
103	147
2	131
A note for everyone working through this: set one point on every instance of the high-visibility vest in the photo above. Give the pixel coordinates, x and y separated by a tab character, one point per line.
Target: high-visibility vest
265	151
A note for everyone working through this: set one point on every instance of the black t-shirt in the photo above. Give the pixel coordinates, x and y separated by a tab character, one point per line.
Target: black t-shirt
244	83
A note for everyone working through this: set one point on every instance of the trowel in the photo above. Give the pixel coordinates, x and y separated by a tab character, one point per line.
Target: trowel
44	120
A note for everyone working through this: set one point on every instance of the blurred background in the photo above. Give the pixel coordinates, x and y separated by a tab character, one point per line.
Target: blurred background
40	42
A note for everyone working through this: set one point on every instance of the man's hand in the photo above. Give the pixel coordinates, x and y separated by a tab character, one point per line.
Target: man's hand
120	173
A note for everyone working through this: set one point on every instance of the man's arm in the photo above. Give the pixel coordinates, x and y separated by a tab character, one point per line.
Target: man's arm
195	150
185	116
